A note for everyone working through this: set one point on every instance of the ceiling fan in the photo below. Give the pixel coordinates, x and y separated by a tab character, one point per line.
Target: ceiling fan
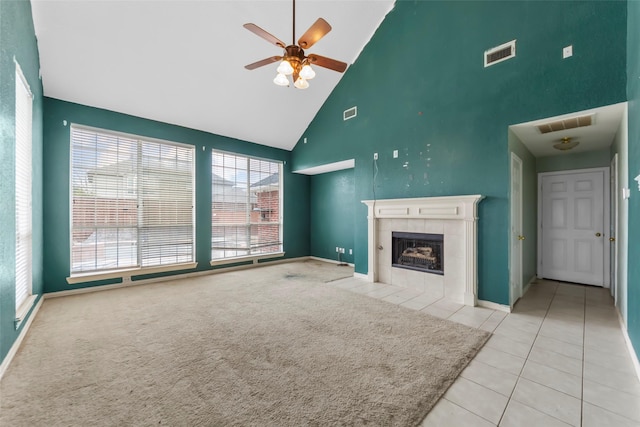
565	144
294	62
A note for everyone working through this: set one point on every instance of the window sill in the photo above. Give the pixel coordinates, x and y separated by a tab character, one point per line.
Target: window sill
254	258
24	308
126	274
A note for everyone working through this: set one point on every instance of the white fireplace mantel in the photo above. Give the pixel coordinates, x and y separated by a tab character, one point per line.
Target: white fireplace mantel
462	209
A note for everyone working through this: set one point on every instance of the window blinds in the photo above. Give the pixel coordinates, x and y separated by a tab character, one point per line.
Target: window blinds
246	206
23	188
132	202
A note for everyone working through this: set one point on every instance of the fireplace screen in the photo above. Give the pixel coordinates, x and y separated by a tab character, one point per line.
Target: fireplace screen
418	251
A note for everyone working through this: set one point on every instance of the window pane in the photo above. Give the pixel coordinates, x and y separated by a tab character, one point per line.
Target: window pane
167	201
132	202
103	248
246	213
23	188
229	242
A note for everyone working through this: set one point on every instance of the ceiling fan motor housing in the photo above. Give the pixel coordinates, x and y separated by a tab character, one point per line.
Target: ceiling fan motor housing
295	56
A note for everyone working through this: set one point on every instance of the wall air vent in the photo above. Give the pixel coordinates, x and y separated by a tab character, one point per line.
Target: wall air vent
500	53
570	123
350	113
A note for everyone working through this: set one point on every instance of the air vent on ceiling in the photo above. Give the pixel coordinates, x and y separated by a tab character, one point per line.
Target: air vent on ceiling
571	123
500	53
350	113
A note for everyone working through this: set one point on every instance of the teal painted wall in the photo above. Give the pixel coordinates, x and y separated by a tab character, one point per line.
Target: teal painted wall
17	39
529	208
421	88
56	184
332	214
633	93
568	161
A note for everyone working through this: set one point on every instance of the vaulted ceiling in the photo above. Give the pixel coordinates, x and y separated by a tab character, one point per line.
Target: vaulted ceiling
182	62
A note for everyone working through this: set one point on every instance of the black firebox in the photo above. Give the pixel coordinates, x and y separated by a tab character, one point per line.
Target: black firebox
418	251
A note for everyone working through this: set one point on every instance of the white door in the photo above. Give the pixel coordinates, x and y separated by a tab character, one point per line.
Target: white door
515	270
573	227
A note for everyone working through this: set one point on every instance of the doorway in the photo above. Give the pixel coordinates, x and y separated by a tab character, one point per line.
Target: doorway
516	233
613	233
574	232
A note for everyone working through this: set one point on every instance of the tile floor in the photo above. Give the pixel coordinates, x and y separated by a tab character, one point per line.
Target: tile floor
559	359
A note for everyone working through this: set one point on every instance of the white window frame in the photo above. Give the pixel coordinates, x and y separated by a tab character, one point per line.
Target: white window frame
127	272
24	297
248	223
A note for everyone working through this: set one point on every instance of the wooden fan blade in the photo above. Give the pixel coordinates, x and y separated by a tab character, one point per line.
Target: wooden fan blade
265	61
329	63
265	35
314	33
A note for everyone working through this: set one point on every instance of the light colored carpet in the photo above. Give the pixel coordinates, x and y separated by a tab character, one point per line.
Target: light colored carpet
274	346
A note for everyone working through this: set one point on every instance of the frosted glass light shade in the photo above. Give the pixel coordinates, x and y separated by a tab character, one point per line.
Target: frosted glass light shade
285	68
301	83
307	72
281	80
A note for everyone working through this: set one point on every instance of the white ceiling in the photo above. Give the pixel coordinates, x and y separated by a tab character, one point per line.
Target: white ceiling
598	136
182	62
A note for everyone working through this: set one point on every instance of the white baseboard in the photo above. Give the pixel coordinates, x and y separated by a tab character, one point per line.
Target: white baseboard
168	278
632	352
361	276
332	261
16	345
494	306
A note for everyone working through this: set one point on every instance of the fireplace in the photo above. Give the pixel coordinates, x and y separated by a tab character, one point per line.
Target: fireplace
453	216
418	251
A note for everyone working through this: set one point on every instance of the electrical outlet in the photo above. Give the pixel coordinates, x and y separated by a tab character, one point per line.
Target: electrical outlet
341	250
375	156
350	251
337	249
567	52
126	279
395	154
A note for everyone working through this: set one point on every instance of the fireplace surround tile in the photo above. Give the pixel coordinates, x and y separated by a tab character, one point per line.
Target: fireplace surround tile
416	226
453	216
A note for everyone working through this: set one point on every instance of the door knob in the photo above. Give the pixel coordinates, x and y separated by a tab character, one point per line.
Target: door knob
612	239
598	234
520	237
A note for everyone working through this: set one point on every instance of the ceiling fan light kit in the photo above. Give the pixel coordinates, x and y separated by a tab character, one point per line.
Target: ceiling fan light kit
301	83
281	80
294	62
307	72
285	68
566	144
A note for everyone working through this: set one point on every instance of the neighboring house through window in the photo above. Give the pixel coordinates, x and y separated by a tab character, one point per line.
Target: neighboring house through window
246	206
132	202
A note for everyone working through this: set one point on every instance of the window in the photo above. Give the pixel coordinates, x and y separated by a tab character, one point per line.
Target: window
132	202
23	191
247	206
